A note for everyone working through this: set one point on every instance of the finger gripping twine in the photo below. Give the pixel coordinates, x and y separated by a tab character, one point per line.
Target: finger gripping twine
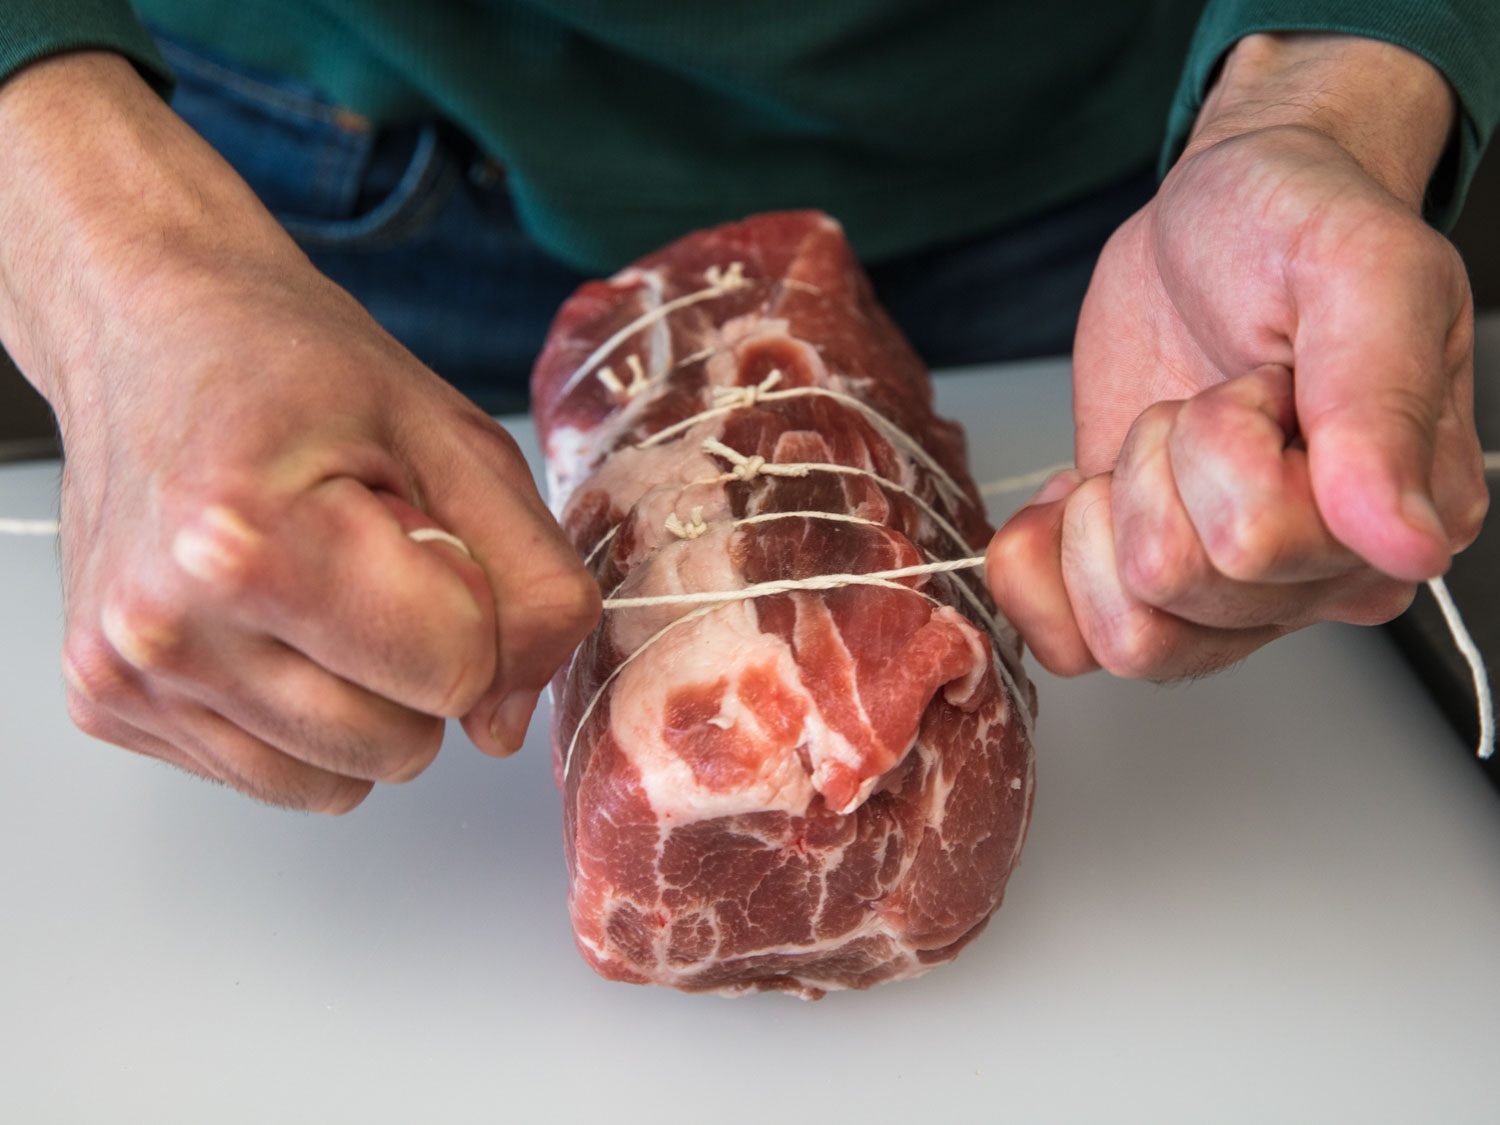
1023	480
437	535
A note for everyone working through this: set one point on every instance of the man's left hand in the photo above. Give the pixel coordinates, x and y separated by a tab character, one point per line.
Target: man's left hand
1273	382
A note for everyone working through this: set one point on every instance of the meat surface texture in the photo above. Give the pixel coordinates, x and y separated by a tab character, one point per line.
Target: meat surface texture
802	790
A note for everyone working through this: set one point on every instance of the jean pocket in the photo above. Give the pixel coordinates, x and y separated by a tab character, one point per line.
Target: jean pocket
325	172
400	211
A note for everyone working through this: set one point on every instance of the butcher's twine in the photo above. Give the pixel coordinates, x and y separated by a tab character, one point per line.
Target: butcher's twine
889	578
747	467
885	578
28	527
729	399
1462	638
719	283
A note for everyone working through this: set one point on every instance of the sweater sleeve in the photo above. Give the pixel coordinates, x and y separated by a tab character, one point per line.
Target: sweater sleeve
1459	37
34	29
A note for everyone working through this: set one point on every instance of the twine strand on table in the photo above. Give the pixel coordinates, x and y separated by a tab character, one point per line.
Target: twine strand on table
1463	640
746	468
28	527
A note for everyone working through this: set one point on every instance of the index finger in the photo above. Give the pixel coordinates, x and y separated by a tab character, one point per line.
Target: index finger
545	600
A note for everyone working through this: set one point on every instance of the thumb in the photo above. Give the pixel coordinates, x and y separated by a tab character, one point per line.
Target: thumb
1372	374
545	601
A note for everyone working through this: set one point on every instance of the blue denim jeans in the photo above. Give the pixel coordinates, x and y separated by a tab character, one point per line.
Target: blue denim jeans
418	225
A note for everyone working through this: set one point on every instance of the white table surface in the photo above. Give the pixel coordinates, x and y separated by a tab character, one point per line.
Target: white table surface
1271	895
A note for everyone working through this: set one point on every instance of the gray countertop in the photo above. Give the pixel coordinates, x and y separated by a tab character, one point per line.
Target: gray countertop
1270	895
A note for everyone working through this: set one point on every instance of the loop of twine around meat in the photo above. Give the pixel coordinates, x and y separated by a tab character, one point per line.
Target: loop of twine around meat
748	467
886	578
720	281
1457	629
729	399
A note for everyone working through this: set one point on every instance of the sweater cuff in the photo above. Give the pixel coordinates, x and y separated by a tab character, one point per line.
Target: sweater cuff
1459	37
31	30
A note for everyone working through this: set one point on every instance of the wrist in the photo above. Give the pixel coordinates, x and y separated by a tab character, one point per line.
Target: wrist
106	196
1389	109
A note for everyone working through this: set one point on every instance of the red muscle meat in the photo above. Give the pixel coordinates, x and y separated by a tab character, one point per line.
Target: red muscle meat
802	790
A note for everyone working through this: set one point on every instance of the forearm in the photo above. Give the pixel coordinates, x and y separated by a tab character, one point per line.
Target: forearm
1391	110
103	188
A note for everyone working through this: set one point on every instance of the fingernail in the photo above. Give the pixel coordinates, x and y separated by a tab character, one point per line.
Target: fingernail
1058	485
512	717
1420	515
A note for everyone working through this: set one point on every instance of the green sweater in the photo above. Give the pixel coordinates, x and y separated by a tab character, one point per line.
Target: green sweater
624	123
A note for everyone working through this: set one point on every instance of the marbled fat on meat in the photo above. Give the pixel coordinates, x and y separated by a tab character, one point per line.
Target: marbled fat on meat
804	791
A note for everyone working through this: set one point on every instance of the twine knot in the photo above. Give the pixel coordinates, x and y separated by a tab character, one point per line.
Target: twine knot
738	397
726	280
638	381
747	468
750	467
690	530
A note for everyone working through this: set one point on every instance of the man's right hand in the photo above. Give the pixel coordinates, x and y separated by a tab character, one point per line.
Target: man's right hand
247	452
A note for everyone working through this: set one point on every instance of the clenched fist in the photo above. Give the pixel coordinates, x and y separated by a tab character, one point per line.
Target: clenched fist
1272	382
247	455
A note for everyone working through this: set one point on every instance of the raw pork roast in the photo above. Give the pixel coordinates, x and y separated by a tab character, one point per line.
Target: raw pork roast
805	790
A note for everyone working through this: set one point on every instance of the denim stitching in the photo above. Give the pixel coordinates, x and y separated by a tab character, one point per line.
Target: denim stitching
421	191
339	167
181	59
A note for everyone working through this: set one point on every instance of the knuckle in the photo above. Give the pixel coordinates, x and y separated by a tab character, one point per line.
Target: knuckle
1155	568
218	546
1211	415
94	671
1243	547
492	440
1026	545
1130	644
463	687
571	599
149	637
1087	513
1149	430
1412	408
1061	661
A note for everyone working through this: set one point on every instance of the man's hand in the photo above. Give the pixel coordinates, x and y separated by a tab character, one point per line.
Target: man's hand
1272	382
246	454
